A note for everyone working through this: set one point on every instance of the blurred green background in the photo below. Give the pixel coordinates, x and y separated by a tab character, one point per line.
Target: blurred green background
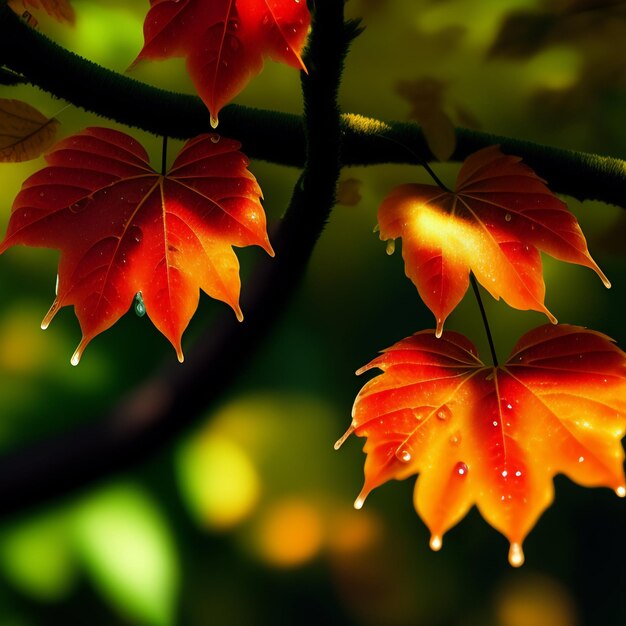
249	519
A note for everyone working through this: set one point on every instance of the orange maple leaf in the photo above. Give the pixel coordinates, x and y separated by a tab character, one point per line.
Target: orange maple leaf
122	228
499	217
493	436
60	10
225	41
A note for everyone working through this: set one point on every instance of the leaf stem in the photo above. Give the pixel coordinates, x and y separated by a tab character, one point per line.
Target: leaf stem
492	347
164	156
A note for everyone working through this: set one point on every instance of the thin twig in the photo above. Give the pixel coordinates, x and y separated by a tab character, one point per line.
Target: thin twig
483	313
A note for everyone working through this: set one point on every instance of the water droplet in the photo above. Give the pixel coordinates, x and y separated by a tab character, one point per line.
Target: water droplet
581	459
75	360
461	469
509	406
443	413
214	121
52	311
516	555
404	456
621	491
343	437
215	138
80	205
391	246
455	440
135	234
140	307
508	217
495	422
56	286
435	543
504	473
518	473
439	329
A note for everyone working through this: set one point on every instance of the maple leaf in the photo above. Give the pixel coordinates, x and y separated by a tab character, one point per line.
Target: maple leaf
493	436
225	41
499	217
25	133
60	10
122	228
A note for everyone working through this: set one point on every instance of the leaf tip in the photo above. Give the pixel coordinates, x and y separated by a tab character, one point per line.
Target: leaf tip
52	311
435	543
343	437
516	554
78	353
360	500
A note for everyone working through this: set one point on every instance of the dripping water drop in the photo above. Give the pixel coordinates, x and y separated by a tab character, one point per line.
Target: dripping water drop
140	307
516	555
435	543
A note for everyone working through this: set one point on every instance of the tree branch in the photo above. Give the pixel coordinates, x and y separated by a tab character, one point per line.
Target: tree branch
273	136
155	413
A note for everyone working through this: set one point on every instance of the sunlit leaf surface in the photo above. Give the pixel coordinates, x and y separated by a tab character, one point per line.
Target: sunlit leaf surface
494	224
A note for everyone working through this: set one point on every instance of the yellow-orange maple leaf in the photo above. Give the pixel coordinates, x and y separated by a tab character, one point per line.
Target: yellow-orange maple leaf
494	436
499	217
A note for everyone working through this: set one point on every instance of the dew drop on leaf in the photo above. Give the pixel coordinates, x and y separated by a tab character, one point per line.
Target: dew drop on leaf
443	413
461	469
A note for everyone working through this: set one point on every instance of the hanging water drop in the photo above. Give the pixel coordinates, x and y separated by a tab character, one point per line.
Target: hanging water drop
435	543
140	307
391	246
343	437
516	555
443	413
214	121
621	491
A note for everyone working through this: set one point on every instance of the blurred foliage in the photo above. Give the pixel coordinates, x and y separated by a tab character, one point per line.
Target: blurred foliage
249	520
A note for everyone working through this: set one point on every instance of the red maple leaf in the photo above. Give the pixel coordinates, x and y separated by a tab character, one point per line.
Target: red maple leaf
122	228
496	221
225	41
494	436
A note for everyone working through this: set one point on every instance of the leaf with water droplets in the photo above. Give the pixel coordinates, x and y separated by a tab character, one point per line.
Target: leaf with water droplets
225	41
25	133
60	10
494	437
499	217
123	229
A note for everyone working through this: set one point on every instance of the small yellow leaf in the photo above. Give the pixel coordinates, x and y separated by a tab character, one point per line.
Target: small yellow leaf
25	133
